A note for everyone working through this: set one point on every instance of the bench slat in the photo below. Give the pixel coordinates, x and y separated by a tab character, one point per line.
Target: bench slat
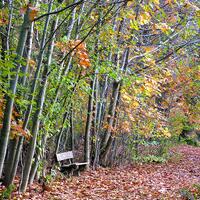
75	164
64	155
84	163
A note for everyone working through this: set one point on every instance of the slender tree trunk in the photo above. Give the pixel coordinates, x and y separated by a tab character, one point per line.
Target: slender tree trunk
66	138
5	38
71	22
9	162
107	141
39	66
68	114
36	118
33	170
105	153
13	86
35	129
88	124
8	42
29	109
63	71
94	121
61	74
79	20
49	58
3	43
28	54
72	139
5	32
61	132
111	113
99	122
14	156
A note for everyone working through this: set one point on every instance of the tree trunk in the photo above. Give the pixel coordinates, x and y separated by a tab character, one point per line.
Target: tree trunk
36	118
28	54
14	156
71	127
29	109
107	140
88	124
13	86
60	133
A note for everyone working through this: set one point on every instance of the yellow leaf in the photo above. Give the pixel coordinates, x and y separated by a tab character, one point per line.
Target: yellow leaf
165	132
135	104
163	27
31	63
144	18
156	2
131	16
126	97
149	48
130	3
154	29
134	25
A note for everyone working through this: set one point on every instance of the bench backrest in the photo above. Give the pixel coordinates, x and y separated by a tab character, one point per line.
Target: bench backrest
65	155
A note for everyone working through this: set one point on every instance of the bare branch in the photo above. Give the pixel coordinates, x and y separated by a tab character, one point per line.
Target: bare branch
61	10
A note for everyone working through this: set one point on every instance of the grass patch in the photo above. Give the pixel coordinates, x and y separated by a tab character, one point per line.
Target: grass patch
191	194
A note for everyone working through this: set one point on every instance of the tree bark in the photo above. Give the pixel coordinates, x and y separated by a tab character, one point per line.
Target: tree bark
88	123
13	86
107	140
14	156
40	103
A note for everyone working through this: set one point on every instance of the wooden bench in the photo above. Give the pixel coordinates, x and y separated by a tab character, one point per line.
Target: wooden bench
72	167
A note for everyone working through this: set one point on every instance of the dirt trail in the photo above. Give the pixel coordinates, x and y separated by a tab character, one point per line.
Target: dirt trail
144	182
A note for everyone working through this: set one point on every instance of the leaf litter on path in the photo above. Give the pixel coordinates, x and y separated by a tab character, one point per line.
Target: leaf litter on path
144	182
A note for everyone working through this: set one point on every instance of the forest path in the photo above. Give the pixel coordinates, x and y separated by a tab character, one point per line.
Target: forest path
147	181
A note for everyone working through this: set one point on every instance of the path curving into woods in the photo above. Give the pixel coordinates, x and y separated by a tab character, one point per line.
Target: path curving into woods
147	181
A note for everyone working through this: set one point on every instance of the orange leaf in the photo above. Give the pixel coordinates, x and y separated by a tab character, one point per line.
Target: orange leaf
33	13
85	63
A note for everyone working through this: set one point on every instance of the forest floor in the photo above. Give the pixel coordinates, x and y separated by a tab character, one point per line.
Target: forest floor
141	181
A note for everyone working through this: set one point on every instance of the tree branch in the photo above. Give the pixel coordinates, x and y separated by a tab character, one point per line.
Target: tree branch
58	11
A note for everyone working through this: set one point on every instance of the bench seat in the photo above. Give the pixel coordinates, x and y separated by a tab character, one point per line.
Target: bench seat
72	166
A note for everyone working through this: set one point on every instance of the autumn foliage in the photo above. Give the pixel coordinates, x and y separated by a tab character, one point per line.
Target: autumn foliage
78	50
16	123
111	81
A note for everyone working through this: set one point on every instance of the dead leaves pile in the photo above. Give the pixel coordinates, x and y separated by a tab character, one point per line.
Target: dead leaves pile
147	181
